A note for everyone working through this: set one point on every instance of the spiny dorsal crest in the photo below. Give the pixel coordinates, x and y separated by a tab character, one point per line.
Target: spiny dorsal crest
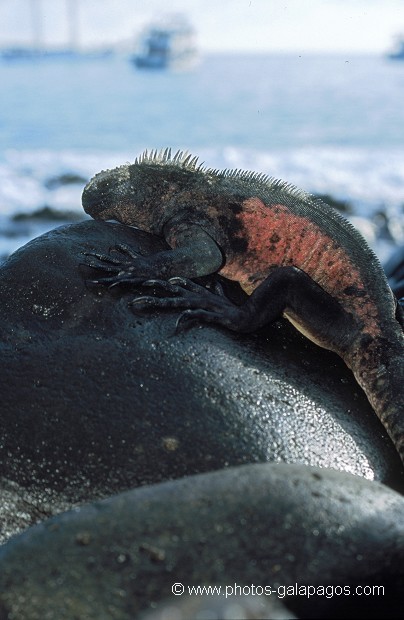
181	159
256	180
186	161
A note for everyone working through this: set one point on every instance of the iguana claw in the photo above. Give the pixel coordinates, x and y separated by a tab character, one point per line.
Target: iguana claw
198	303
122	271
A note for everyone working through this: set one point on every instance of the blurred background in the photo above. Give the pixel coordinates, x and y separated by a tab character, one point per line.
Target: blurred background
311	92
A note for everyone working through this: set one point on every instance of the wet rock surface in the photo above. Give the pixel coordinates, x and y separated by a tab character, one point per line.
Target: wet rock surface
257	525
394	269
96	400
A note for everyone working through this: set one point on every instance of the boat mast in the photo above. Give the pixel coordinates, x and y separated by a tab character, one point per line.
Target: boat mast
37	28
72	18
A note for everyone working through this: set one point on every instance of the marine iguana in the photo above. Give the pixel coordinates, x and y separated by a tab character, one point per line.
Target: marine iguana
291	253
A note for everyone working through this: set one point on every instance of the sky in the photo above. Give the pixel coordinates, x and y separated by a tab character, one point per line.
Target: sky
221	25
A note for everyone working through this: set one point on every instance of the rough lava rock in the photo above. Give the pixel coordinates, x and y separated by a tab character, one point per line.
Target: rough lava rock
286	527
96	400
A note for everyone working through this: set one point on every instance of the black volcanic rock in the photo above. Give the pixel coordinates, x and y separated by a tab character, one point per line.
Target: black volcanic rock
96	400
285	527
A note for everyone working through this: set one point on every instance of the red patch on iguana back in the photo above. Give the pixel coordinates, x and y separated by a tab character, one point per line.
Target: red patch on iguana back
277	237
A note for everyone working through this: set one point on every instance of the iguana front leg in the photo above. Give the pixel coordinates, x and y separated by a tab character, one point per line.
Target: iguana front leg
195	254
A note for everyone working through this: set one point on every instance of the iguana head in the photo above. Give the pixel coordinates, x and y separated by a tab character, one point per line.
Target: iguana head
108	193
138	194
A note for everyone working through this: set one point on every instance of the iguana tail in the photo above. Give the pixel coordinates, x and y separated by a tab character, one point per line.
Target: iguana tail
378	366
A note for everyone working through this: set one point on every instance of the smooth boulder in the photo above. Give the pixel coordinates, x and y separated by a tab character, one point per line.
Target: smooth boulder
96	399
327	544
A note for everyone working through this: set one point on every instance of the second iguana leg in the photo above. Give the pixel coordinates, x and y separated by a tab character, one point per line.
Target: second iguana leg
286	291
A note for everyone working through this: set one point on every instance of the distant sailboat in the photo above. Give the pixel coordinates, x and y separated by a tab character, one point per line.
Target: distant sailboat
35	50
38	48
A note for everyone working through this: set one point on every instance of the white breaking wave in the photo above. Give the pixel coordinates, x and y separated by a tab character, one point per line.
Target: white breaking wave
370	181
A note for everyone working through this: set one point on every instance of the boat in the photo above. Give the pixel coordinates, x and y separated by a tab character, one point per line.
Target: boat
398	52
28	53
37	50
167	44
19	53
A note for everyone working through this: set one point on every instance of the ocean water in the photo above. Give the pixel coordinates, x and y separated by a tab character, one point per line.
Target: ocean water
330	124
